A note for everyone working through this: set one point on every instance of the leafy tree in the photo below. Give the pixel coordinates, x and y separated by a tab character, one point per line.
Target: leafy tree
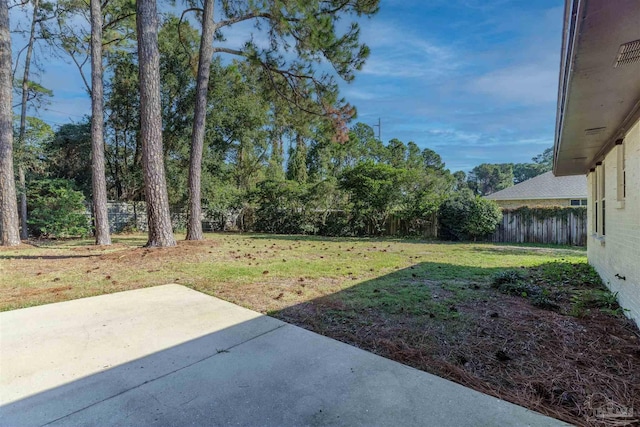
545	160
540	164
238	118
9	221
432	160
194	226
66	155
31	152
27	87
396	153
158	217
488	178
110	25
297	166
123	152
178	44
327	159
57	209
374	192
460	183
98	180
307	28
117	27
282	207
414	156
524	171
365	146
425	190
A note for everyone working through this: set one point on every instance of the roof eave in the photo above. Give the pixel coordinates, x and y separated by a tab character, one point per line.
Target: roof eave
605	97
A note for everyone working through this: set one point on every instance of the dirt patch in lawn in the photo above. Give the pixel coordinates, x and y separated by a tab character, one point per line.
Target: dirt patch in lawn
16	248
48	275
184	249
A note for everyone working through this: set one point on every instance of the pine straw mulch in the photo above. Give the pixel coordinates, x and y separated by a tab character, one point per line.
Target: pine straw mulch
585	371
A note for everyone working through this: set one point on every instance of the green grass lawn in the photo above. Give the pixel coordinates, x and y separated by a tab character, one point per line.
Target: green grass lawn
226	264
530	324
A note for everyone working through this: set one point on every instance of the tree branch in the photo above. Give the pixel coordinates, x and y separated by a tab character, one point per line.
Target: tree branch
335	9
116	40
184	47
229	51
15	70
20	3
294	102
235	20
116	20
80	65
191	9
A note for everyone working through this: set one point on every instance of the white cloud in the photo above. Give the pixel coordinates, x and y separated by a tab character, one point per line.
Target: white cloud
395	52
530	72
359	95
526	84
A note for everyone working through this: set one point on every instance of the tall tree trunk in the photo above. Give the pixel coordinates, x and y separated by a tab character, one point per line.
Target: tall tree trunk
9	223
22	181
155	184
194	224
24	234
98	180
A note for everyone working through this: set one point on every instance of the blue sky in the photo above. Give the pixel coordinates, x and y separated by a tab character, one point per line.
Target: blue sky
474	80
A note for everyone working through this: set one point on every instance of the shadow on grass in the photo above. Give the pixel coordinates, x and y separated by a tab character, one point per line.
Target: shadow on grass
411	309
407	301
443	318
448	320
47	257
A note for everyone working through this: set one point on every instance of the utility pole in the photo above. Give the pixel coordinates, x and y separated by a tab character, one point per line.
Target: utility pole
379	126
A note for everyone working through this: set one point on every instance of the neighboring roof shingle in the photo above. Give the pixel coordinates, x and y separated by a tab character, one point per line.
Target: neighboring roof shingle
545	186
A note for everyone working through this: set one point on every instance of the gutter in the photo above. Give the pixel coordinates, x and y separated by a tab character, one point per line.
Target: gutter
571	8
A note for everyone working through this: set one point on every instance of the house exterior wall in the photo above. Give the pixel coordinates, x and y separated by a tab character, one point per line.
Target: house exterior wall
617	252
513	204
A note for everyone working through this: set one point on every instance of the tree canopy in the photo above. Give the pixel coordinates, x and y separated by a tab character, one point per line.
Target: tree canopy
271	139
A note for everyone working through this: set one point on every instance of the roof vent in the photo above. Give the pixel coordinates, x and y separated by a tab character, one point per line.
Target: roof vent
594	131
628	53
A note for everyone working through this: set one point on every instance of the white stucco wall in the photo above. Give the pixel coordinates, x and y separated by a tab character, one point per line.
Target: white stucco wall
618	251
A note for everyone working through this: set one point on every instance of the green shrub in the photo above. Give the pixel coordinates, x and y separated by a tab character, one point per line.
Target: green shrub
282	208
56	209
467	217
336	223
507	276
483	219
375	190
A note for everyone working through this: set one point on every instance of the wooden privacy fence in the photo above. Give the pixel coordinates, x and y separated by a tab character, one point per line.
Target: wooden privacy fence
395	225
560	226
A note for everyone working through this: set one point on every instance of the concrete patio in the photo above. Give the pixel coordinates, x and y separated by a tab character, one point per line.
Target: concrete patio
169	355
